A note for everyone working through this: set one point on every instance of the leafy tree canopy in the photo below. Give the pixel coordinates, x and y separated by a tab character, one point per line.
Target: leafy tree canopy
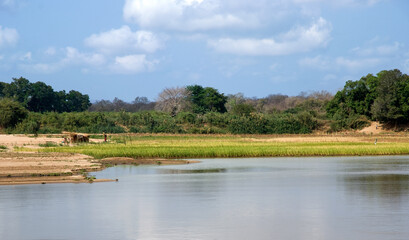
206	99
384	97
40	97
12	112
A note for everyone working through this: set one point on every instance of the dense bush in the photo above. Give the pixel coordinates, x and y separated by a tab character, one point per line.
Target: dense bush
383	97
11	113
270	124
159	122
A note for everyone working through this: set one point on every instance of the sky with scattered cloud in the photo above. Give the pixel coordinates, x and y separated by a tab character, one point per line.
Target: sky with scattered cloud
134	48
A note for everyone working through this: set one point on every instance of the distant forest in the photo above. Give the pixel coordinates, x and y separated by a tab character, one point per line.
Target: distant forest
27	107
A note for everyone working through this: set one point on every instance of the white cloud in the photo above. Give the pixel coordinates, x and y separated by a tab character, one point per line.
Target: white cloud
123	39
72	57
51	51
300	39
340	3
340	63
8	36
355	2
318	62
380	50
132	64
357	64
26	57
88	62
42	67
184	15
216	21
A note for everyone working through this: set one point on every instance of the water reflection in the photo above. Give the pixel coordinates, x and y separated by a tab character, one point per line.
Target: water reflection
378	185
264	198
187	171
238	169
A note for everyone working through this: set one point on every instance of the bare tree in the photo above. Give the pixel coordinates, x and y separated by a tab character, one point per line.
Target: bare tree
172	100
321	95
233	100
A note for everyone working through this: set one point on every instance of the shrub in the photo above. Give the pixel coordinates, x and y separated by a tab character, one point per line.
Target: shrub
12	113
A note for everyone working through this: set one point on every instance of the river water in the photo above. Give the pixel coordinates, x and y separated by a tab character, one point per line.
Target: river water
260	198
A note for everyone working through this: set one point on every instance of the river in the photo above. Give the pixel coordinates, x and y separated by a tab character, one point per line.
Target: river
260	198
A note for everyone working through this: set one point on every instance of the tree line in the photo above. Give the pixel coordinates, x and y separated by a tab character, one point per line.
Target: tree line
382	97
36	108
40	97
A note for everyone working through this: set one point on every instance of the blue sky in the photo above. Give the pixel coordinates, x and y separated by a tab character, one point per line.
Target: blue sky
125	49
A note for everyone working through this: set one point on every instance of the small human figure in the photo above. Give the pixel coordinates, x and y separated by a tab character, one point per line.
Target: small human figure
376	127
105	137
376	140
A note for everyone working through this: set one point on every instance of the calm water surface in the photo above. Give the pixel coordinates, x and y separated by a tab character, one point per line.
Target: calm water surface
262	198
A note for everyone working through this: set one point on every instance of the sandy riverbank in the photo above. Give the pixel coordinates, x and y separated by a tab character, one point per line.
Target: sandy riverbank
41	168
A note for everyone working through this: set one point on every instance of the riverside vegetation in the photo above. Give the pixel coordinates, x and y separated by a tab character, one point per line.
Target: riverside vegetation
35	108
225	146
200	122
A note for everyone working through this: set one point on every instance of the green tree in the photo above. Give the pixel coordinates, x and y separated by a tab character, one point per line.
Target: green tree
11	113
353	99
77	102
404	96
19	89
387	105
2	87
42	98
206	99
243	109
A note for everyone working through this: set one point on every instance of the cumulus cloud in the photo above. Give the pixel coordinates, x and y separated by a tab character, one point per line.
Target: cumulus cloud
300	39
124	39
184	15
199	15
8	36
132	64
72	57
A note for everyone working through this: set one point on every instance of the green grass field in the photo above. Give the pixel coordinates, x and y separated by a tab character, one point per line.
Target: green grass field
182	147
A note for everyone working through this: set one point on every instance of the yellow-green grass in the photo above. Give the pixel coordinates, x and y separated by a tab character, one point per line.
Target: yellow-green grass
178	147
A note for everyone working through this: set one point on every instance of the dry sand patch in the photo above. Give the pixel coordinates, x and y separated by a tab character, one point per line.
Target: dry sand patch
33	167
19	140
